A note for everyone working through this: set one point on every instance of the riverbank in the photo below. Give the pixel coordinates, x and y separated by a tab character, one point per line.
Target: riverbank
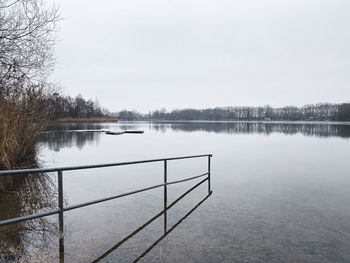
94	119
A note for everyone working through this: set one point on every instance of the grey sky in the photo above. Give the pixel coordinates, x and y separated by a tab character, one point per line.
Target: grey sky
137	54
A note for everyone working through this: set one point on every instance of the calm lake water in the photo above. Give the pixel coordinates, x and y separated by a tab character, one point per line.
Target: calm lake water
281	193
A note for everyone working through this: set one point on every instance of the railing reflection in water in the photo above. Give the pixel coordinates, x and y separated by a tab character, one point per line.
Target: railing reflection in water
166	230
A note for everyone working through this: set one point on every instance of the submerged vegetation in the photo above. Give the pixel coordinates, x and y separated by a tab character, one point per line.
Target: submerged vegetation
33	193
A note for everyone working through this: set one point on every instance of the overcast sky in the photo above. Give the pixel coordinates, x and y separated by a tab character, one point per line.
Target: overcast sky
144	55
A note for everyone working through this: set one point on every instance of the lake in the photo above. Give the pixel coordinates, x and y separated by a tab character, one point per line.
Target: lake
281	193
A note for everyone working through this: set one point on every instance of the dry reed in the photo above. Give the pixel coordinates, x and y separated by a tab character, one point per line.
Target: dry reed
24	114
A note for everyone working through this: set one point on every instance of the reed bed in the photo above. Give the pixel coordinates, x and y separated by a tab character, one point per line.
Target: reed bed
24	114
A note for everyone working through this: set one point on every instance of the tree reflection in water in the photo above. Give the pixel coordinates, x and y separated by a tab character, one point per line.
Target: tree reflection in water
55	140
265	128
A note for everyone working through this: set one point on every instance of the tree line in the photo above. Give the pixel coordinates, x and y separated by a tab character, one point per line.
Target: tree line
78	107
312	112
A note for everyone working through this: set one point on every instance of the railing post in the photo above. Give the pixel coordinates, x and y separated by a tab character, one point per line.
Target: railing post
209	186
60	214
165	195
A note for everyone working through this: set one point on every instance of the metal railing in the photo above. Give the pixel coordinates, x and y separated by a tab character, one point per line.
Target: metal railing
61	209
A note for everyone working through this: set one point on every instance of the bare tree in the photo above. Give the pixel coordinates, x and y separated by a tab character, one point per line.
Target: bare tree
27	38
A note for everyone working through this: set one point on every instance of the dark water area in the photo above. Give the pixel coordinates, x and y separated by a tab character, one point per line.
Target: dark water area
281	193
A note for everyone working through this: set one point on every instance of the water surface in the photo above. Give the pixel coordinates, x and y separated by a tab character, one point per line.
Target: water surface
281	193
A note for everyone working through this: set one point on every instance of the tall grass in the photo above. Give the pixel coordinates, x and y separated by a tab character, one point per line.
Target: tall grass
24	114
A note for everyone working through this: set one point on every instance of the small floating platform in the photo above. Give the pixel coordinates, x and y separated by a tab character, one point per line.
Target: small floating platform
129	131
121	132
114	132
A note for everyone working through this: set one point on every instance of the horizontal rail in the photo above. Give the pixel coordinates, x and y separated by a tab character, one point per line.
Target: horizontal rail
129	193
71	168
25	218
110	198
187	179
28	217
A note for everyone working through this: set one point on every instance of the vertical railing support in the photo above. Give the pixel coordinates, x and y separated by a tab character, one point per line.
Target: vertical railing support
165	195
209	183
60	213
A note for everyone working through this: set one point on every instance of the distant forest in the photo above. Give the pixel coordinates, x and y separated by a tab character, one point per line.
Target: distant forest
313	112
78	107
